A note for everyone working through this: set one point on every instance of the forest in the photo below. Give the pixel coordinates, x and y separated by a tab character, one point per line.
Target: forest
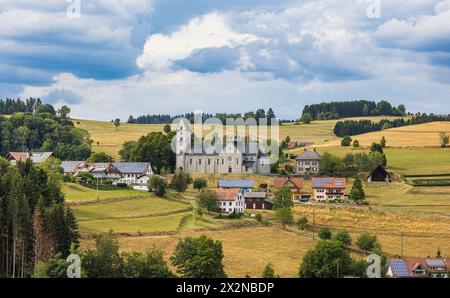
168	119
356	127
346	109
41	128
34	223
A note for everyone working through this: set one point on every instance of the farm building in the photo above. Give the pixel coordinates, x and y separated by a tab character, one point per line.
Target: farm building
328	189
257	200
379	175
131	173
295	185
230	200
418	268
36	157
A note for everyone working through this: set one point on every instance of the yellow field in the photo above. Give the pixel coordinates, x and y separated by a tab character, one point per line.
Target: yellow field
421	135
246	251
423	234
110	140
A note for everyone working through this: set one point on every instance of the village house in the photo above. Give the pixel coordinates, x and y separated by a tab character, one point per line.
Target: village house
418	268
328	189
308	163
230	200
131	173
379	175
295	185
257	200
36	157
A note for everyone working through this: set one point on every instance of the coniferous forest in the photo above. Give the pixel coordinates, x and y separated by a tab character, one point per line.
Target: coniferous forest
34	223
346	109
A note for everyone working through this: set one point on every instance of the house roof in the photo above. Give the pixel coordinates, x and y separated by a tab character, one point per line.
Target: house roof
339	183
236	183
132	167
227	194
411	264
248	149
38	157
399	268
255	195
35	157
70	166
381	169
280	182
308	155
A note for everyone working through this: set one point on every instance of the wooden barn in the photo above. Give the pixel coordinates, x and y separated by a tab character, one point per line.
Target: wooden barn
379	175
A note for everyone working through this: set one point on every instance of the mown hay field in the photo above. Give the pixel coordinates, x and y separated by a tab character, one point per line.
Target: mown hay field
75	193
246	250
107	139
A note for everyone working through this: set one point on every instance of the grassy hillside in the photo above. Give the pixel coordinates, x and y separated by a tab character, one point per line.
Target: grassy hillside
421	135
106	138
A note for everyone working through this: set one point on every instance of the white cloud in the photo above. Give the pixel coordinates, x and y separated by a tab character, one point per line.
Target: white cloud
207	31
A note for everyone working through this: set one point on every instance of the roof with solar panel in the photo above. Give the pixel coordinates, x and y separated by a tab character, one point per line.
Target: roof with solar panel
329	183
399	268
236	183
132	167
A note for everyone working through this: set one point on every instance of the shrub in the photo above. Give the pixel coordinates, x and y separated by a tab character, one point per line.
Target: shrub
325	234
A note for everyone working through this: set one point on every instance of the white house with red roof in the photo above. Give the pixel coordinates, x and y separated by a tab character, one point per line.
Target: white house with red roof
328	189
231	200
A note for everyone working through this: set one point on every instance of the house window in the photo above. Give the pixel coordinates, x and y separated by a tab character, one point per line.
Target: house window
237	161
300	163
223	161
190	161
199	161
209	161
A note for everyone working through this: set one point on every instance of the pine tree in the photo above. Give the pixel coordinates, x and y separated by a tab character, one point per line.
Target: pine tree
357	193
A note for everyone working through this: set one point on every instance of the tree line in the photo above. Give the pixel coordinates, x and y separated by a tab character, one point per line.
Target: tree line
34	223
359	108
10	106
44	129
355	127
168	119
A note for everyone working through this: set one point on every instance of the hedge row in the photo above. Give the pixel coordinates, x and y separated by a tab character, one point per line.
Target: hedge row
429	182
104	186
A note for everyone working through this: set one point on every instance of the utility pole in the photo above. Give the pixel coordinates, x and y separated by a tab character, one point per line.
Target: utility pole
98	198
193	217
337	268
401	245
314	220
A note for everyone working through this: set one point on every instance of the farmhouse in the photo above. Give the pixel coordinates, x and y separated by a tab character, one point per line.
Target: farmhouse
379	175
36	157
257	200
231	200
328	189
131	173
295	185
308	163
418	268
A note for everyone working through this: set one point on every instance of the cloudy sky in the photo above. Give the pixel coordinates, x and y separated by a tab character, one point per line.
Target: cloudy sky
113	58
